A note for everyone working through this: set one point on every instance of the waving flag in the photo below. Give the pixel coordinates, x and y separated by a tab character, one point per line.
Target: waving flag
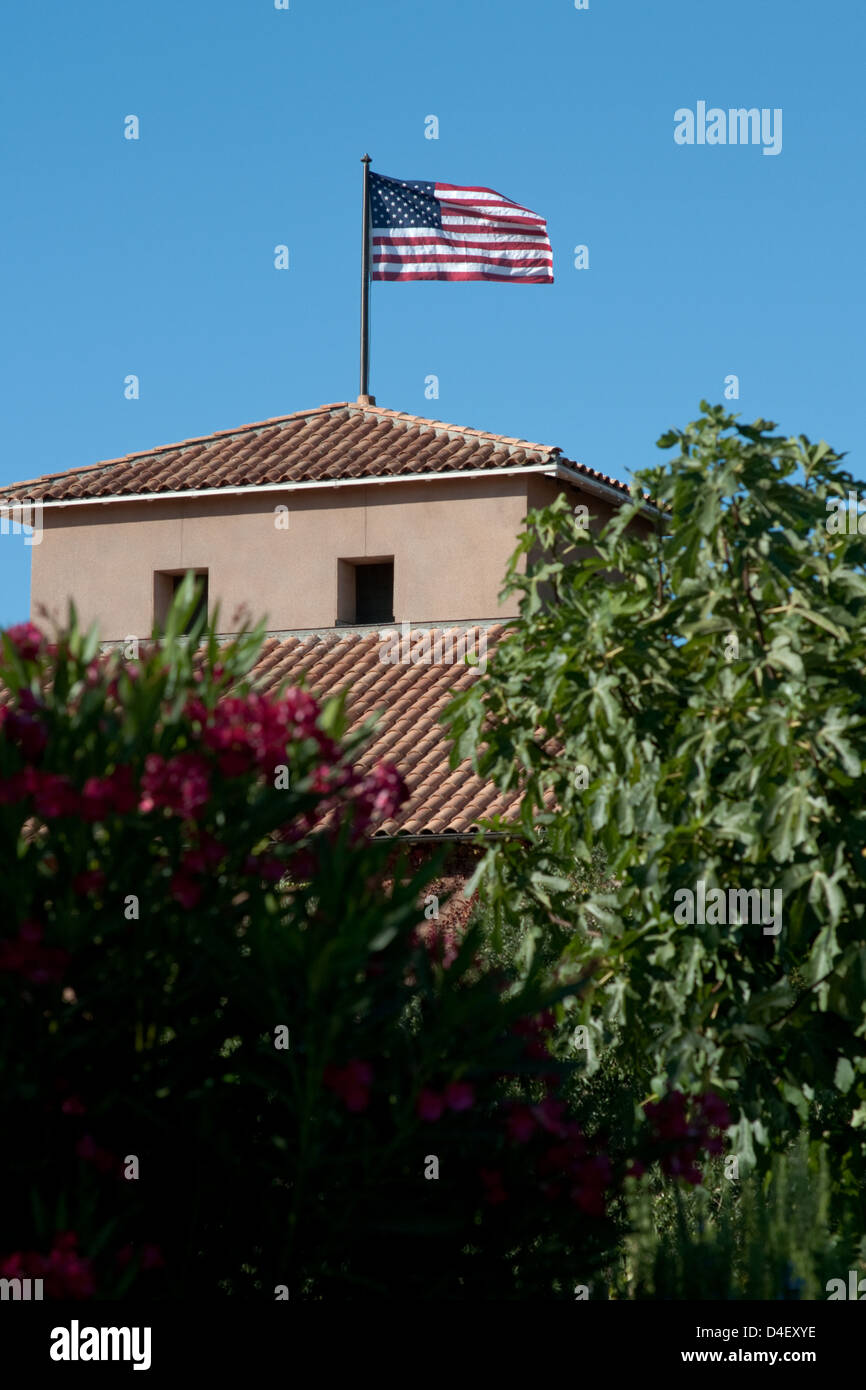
438	231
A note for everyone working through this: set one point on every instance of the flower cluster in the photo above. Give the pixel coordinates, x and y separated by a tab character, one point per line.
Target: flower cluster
351	1083
567	1165
26	956
535	1031
457	1095
239	736
441	941
103	1160
252	732
180	784
26	639
64	1272
104	796
22	725
378	795
682	1137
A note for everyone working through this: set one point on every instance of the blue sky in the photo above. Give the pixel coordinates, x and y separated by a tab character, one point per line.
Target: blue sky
156	256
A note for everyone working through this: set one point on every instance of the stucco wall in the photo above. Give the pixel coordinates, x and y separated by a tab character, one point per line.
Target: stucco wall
450	541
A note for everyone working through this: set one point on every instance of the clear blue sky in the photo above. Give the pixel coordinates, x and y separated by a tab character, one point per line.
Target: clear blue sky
155	256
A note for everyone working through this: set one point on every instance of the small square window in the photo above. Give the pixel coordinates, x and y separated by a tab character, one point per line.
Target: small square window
365	592
165	586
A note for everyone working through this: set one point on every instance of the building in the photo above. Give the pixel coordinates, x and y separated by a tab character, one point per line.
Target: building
375	542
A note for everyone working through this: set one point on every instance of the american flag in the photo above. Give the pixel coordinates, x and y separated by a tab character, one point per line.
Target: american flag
439	231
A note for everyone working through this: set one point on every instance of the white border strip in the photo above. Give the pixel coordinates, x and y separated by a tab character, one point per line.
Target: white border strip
251	488
551	469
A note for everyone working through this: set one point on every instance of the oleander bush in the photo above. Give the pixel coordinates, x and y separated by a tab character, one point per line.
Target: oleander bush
234	1064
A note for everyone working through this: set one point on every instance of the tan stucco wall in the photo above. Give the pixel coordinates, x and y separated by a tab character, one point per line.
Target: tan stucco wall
450	540
541	492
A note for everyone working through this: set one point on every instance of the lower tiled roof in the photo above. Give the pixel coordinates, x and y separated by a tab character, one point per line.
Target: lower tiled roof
410	696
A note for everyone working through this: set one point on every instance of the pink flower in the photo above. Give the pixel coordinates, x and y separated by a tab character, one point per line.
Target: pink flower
494	1191
65	1273
181	783
589	1199
714	1111
26	639
12	788
185	890
379	796
351	1083
566	1157
595	1172
459	1095
549	1113
53	794
91	882
266	866
88	1150
103	795
534	1029
26	956
73	1106
24	729
204	855
95	799
254	731
123	791
442	942
520	1125
681	1138
429	1105
668	1116
196	710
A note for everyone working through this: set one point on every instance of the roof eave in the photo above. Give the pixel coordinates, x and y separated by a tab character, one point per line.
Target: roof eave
246	489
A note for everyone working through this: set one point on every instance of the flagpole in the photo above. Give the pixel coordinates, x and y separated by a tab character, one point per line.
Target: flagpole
365	397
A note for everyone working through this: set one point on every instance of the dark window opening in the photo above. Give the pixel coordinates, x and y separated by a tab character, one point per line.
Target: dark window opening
166	585
374	593
365	592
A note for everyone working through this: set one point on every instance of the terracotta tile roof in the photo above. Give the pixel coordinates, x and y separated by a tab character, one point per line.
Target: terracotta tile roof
346	440
410	699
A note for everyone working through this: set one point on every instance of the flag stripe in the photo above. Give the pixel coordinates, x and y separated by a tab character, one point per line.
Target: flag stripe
448	259
469	231
422	243
484	238
439	274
